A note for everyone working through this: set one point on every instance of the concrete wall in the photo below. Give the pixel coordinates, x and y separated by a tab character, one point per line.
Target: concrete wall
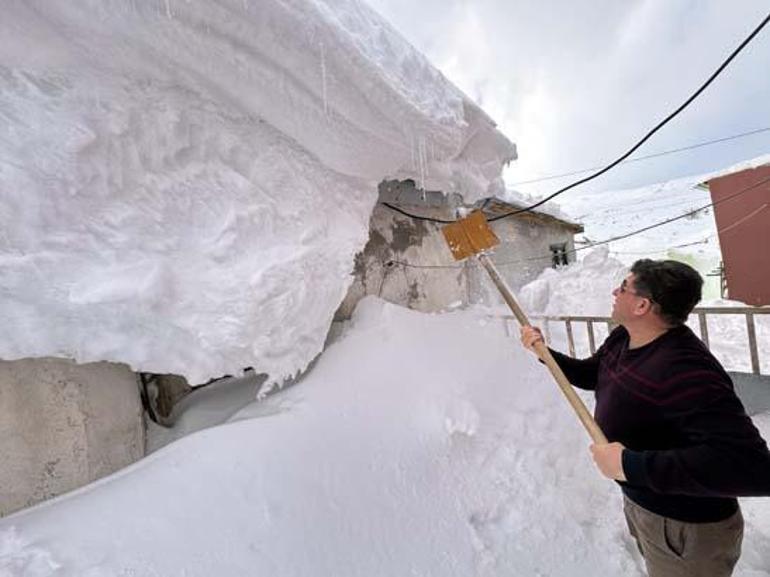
407	261
391	264
523	253
63	425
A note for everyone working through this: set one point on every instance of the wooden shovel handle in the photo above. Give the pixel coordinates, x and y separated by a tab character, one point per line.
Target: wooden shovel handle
542	350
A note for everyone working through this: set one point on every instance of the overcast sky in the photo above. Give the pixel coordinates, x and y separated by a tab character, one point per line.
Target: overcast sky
575	84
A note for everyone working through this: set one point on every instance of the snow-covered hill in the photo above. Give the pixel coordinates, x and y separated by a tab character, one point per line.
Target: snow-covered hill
693	239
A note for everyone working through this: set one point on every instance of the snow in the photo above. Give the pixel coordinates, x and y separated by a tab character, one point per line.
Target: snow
551	208
694	240
184	185
418	445
584	288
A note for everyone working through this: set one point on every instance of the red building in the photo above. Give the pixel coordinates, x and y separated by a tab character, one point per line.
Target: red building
742	214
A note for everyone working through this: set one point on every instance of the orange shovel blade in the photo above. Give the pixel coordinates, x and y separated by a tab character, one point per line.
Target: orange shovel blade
469	236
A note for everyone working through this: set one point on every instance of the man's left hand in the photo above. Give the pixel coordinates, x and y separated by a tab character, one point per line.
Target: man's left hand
609	459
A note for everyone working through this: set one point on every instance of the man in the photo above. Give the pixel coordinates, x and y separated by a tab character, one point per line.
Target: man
682	447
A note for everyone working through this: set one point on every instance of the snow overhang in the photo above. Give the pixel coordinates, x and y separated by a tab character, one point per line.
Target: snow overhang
185	185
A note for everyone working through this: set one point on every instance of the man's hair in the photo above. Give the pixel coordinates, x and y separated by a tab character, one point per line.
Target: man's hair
674	286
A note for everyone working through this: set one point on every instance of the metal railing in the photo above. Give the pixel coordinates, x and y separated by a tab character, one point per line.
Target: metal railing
702	313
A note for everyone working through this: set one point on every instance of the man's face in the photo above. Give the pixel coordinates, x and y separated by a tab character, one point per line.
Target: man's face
627	304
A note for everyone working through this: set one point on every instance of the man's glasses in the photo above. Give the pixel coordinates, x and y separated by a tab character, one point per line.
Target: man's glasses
623	288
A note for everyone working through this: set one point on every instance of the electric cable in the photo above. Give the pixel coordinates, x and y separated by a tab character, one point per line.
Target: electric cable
633	149
415	216
391	263
646	157
660	125
657	224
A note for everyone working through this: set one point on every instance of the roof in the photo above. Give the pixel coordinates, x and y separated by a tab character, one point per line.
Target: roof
406	194
756	162
493	207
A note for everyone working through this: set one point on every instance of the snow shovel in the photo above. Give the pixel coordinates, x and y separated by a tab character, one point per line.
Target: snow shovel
471	236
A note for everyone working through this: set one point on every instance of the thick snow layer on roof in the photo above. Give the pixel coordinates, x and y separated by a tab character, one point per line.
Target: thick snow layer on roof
755	162
551	208
184	185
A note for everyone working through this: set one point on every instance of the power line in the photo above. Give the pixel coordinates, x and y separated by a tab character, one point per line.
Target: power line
646	157
666	249
608	208
657	224
705	240
653	131
609	240
415	216
636	146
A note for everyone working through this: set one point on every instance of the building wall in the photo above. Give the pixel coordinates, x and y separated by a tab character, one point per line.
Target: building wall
63	425
390	265
743	223
523	253
407	261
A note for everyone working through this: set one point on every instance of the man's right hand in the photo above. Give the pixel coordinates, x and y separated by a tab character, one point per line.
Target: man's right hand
529	336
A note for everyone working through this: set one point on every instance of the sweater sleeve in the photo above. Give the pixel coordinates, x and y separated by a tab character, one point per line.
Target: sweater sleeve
727	458
582	373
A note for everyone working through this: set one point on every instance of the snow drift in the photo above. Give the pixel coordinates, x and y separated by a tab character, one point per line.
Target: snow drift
584	288
183	185
419	444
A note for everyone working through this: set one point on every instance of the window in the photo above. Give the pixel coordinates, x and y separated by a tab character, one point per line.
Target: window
559	254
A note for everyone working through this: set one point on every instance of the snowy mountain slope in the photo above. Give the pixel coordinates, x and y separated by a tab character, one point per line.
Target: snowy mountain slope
694	239
184	185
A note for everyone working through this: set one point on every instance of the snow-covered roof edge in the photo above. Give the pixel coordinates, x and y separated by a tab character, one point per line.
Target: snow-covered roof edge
750	164
517	201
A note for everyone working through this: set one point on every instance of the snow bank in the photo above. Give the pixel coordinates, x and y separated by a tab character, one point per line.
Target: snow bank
584	288
184	185
418	445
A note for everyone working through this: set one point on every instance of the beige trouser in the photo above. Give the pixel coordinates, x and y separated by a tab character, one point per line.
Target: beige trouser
677	549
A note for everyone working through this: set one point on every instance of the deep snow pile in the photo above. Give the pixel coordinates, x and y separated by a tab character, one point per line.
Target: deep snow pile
418	445
183	185
584	288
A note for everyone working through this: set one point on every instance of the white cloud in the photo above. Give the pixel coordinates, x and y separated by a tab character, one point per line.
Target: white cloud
576	84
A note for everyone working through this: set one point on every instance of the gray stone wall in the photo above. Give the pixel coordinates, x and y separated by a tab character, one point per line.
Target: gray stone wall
63	425
523	253
407	261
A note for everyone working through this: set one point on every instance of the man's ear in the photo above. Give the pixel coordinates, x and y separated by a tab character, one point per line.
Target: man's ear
643	307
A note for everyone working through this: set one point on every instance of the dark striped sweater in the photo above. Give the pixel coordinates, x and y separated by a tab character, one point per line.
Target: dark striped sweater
690	447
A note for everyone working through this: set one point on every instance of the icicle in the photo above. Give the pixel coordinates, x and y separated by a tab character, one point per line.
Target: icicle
411	151
421	154
168	9
323	79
